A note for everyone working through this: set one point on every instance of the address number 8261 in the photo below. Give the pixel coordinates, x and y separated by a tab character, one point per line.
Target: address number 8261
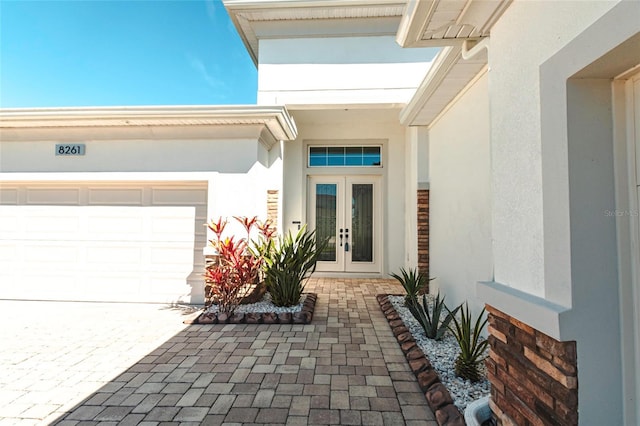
69	149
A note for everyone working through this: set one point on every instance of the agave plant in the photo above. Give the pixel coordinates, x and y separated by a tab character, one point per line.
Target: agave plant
288	265
472	346
430	321
413	283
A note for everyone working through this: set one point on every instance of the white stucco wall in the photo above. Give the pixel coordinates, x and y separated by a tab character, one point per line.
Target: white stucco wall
526	36
339	70
460	197
132	156
552	144
239	170
351	127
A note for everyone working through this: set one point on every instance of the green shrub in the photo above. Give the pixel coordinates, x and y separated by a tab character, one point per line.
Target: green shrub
413	283
430	321
472	347
288	264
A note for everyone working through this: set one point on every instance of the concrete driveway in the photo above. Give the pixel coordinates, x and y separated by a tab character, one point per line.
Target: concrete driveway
54	354
85	364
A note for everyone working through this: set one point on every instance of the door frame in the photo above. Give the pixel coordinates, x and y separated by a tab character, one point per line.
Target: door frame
343	263
626	157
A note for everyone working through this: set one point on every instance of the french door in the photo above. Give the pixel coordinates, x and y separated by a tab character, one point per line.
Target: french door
345	210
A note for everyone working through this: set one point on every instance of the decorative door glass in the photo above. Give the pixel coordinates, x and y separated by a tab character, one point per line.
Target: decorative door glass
362	222
326	209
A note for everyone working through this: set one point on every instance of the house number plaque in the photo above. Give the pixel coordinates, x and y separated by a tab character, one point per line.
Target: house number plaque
67	149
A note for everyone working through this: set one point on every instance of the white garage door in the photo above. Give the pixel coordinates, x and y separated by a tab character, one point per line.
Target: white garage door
103	242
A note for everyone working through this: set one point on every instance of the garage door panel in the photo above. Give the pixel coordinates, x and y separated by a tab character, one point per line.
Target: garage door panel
180	258
177	196
172	228
8	223
47	255
116	226
54	222
126	248
117	257
8	196
70	196
56	286
116	196
108	285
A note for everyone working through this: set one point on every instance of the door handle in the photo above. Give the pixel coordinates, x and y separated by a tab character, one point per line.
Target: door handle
346	239
340	237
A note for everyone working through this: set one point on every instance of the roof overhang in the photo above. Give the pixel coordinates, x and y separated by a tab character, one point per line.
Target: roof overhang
463	27
267	19
272	124
428	23
447	77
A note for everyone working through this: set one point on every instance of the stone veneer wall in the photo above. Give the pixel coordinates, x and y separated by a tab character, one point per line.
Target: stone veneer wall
534	378
272	206
423	231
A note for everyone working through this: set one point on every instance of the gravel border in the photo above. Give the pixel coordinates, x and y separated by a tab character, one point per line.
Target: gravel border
263	312
442	355
438	397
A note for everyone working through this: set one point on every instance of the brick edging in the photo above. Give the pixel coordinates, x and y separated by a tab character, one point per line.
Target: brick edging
305	316
438	397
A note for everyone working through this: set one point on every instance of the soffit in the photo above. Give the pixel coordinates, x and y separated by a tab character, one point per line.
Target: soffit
256	20
276	120
448	76
459	25
446	22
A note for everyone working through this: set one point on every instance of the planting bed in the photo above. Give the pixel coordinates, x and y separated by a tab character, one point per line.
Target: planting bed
263	312
438	397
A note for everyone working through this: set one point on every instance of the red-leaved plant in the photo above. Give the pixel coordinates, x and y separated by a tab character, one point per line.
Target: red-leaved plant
238	266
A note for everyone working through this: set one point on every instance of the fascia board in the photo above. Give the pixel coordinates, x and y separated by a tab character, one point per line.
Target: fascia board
276	119
248	29
414	22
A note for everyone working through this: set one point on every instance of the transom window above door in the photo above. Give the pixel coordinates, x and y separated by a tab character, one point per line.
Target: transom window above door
345	156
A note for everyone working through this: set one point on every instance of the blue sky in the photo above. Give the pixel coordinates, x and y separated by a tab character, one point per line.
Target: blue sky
121	52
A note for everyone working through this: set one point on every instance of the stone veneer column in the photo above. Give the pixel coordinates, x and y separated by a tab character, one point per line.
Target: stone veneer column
534	378
423	231
272	206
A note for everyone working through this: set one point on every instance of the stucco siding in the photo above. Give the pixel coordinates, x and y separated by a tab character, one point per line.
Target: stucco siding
460	197
339	70
526	36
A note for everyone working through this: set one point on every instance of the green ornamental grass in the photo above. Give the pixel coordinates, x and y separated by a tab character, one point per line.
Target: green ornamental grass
289	264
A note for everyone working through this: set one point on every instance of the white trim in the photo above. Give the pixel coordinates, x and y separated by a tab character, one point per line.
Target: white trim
276	119
630	309
442	65
415	21
106	177
534	311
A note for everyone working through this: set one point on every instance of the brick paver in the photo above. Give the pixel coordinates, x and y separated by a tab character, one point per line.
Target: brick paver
343	368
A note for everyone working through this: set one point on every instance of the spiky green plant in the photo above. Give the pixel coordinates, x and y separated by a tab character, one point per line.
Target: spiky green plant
430	321
472	345
413	283
288	265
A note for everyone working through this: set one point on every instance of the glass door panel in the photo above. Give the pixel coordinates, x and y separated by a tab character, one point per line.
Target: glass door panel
326	216
346	211
362	222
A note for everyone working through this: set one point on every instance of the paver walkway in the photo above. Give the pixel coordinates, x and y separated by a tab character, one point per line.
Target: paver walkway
344	368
